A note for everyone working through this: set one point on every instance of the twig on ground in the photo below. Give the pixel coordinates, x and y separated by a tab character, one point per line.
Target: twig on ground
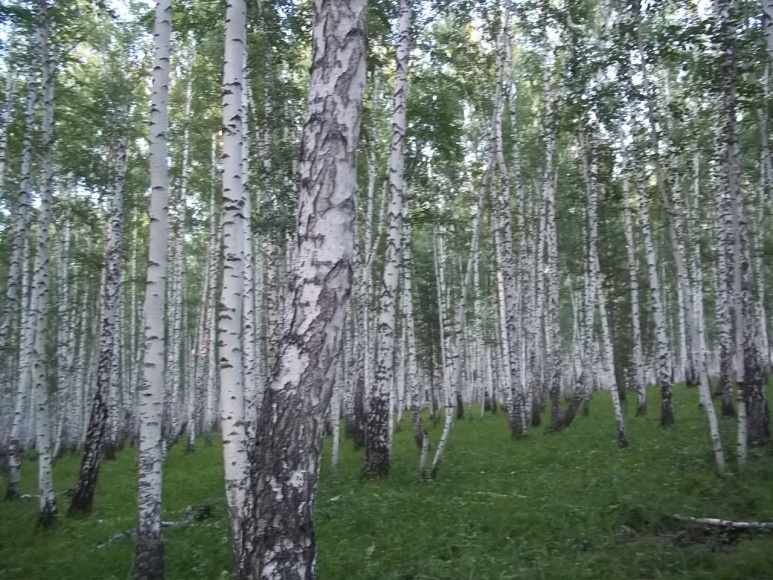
732	524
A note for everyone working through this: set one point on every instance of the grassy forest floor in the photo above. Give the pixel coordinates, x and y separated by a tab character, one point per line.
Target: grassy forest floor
555	506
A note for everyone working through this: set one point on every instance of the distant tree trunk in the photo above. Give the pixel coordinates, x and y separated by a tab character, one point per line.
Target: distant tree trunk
287	450
609	355
633	280
420	434
664	377
445	341
377	448
19	250
516	403
211	419
751	385
587	320
5	118
249	327
64	328
176	357
149	562
83	497
759	242
553	277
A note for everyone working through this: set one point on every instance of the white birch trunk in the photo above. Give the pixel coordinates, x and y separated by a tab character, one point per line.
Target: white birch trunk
104	405
40	290
14	283
149	562
664	377
377	447
290	429
444	347
231	317
420	435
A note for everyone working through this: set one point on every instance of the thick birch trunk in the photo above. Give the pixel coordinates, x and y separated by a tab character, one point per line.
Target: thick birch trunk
286	457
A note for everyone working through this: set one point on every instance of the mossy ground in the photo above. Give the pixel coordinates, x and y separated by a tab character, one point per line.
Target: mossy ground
569	505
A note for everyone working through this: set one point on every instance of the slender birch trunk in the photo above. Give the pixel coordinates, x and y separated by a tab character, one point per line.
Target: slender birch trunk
420	435
211	416
231	315
553	282
149	561
40	291
444	327
13	299
5	118
377	448
752	401
633	281
64	325
609	356
83	496
663	370
516	403
249	328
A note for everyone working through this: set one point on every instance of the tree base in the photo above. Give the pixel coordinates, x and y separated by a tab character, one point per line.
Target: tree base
149	559
47	516
108	451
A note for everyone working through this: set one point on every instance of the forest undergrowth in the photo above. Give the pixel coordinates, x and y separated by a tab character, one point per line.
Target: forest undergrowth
556	506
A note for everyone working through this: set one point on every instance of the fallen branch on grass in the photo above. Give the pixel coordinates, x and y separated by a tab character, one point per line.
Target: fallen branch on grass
189	515
727	524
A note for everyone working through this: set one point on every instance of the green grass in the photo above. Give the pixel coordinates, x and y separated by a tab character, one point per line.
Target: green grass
569	505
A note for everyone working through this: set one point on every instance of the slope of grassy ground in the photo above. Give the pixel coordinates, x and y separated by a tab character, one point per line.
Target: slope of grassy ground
554	506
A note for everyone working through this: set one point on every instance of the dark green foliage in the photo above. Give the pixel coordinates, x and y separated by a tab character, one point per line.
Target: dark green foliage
570	505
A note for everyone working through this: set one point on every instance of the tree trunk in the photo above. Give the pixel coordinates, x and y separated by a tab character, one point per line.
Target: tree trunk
633	281
752	389
83	497
149	562
516	404
445	341
40	290
663	374
286	455
231	315
377	448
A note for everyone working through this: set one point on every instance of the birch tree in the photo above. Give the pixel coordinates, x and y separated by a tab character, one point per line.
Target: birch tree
377	448
285	460
83	495
149	560
39	301
230	319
